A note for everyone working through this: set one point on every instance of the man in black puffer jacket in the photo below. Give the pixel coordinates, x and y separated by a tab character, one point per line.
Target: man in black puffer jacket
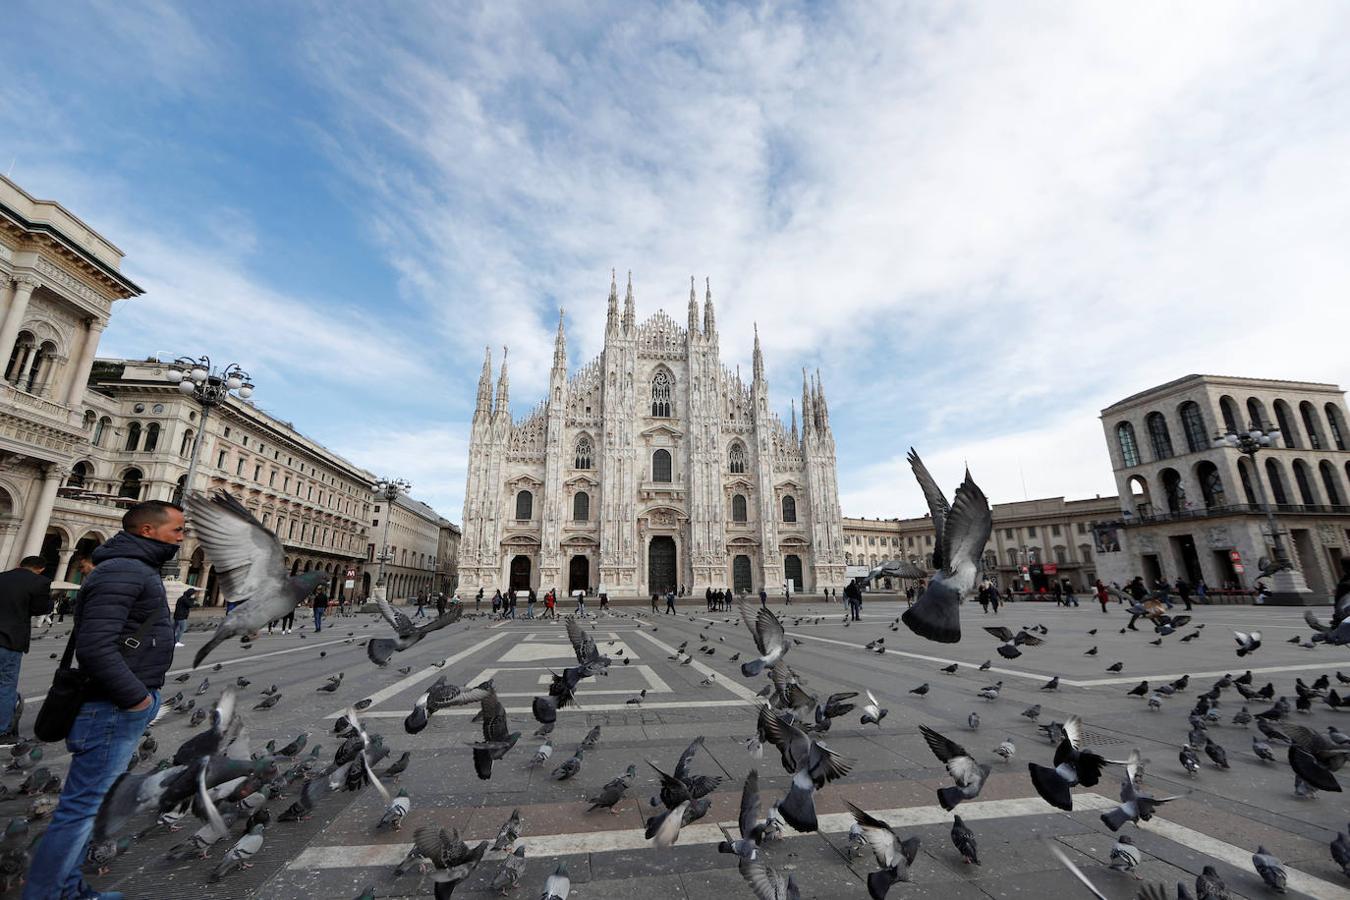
126	665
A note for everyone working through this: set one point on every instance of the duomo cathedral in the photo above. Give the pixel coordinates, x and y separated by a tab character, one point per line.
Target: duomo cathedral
652	467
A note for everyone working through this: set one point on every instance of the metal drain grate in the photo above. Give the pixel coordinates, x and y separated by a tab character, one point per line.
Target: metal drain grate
1097	739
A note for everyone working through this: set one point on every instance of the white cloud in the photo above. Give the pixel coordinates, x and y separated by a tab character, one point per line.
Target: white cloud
434	458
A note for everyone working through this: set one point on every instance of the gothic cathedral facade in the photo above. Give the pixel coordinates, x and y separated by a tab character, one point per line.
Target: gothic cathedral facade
652	467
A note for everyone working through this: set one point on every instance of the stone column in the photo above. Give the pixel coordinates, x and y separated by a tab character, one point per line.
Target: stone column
42	512
63	563
18	308
79	375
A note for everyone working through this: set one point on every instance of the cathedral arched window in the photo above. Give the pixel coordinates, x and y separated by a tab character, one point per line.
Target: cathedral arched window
524	505
585	449
661	395
661	466
736	459
789	508
581	507
738	508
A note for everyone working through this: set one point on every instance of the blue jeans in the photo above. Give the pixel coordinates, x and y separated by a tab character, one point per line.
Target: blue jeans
101	741
10	660
179	629
318	619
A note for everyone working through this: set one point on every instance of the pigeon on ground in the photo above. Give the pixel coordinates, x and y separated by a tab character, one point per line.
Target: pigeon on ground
973	721
398	808
509	833
1189	760
1032	712
1116	667
399	766
963	528
249	563
964	841
894	855
1340	851
1051	685
508	876
332	684
1209	886
991	692
542	754
1125	856
1270	869
921	690
1006	750
965	771
570	766
612	792
1217	754
239	856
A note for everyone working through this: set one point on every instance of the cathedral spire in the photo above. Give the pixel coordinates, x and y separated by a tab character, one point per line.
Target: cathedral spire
822	408
503	390
808	417
560	345
709	317
759	357
484	404
794	420
693	309
612	317
629	310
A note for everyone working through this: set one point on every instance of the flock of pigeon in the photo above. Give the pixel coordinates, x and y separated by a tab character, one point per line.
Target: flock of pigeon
219	779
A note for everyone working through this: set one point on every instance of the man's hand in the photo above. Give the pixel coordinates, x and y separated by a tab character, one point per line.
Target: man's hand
144	704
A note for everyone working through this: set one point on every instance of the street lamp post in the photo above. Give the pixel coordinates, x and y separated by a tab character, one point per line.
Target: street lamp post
388	489
210	387
1289	583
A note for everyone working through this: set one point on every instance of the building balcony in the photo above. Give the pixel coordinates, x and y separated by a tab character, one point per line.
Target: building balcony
1235	509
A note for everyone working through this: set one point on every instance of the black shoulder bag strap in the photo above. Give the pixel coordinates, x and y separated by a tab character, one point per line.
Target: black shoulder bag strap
129	643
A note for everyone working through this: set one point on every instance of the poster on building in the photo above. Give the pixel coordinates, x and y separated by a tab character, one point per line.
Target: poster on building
1107	538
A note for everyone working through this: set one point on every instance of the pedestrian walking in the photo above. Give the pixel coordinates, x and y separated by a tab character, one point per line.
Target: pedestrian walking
529	605
763	598
478	601
1103	595
670	601
320	606
853	597
1201	589
421	607
496	603
994	599
123	642
181	609
24	593
1069	598
581	601
1184	592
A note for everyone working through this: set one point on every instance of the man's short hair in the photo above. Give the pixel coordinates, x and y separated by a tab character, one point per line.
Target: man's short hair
33	562
150	512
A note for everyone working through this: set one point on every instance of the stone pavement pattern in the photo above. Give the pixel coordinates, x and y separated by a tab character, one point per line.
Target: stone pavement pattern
339	852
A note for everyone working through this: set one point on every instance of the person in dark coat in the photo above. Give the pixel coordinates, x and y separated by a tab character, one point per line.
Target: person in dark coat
24	593
320	605
181	610
122	598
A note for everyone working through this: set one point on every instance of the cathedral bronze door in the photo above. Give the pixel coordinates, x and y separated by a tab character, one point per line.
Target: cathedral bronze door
661	564
740	575
520	573
792	571
578	574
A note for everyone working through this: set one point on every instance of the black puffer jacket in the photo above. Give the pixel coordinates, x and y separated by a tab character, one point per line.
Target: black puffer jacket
123	591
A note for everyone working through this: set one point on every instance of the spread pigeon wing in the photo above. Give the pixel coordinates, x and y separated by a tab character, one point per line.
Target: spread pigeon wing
1002	632
749	816
248	559
582	644
1073	730
878	836
687	757
400	622
966	531
938	507
944	748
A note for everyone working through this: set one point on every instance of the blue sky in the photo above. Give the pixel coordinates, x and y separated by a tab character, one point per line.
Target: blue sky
982	222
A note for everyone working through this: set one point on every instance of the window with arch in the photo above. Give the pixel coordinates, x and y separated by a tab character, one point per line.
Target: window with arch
736	459
151	437
1012	557
1085	552
1245	474
1335	425
1129	448
1276	480
1256	412
1283	418
661	395
585	450
79	475
789	508
131	484
24	346
1061	554
134	436
1211	484
581	507
661	469
1309	414
89	419
1193	424
1330	483
185	445
1159	436
100	430
1305	488
1228	409
848	559
738	508
524	505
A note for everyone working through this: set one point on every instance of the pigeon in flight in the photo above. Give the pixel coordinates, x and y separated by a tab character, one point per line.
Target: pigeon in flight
250	564
1247	642
894	855
1073	765
965	771
380	650
963	528
452	860
872	711
770	639
497	738
1134	806
810	762
766	883
1008	649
